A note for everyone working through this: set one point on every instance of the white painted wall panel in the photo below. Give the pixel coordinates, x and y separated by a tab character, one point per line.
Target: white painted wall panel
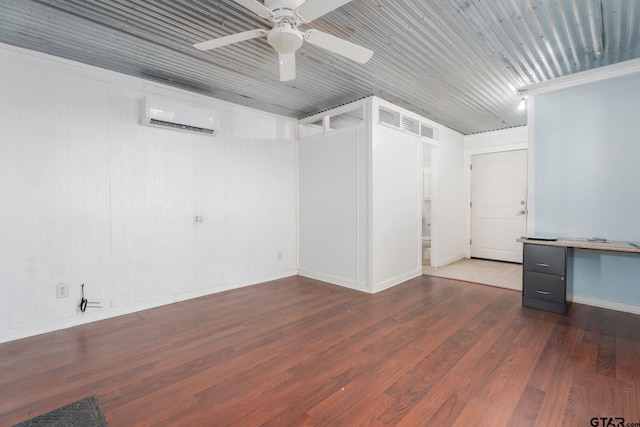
90	196
329	216
448	200
389	200
396	207
500	140
259	204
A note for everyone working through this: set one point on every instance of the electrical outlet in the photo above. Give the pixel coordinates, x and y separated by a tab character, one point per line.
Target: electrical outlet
62	290
198	219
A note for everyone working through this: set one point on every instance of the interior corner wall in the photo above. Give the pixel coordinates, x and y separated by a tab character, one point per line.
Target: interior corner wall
89	196
586	181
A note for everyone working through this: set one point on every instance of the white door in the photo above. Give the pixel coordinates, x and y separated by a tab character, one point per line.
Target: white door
498	205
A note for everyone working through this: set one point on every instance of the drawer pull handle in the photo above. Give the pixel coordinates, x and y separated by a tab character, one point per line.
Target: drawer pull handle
542	292
542	264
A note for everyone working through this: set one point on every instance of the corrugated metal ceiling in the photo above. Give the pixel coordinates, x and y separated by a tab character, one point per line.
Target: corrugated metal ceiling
456	62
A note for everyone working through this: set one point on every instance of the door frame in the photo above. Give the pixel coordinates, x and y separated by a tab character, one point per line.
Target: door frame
467	183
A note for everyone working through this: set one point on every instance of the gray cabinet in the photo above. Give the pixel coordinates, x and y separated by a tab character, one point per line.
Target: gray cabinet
544	277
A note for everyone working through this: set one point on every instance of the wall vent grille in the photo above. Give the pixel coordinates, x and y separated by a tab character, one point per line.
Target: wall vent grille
182	127
389	117
410	125
427	131
406	123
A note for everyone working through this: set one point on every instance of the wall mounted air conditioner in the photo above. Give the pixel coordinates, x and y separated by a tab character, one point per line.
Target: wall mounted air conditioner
158	112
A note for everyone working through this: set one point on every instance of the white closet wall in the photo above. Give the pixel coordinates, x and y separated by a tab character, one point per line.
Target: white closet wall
360	195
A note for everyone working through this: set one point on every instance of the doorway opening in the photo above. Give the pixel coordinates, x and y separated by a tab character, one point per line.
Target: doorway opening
426	204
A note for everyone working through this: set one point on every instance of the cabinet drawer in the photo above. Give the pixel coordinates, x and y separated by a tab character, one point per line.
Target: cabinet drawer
547	287
545	259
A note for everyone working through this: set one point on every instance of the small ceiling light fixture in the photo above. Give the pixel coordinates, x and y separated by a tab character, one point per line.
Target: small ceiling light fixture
523	104
285	38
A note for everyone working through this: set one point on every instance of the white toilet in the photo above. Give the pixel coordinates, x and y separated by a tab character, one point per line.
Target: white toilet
426	231
426	247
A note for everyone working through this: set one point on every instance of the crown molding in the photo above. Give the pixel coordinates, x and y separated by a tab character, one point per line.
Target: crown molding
620	69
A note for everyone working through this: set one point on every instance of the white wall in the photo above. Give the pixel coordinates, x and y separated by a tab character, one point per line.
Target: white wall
496	141
484	143
447	185
448	210
333	214
361	199
90	196
396	207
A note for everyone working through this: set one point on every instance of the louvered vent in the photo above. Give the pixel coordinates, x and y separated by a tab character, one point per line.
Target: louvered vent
410	125
427	132
389	117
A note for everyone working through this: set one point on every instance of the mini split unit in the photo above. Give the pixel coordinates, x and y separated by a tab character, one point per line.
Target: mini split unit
156	112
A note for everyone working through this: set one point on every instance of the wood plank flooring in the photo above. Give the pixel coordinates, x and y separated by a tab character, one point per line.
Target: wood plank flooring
297	351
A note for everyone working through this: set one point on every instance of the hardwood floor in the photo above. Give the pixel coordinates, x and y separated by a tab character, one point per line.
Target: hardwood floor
296	351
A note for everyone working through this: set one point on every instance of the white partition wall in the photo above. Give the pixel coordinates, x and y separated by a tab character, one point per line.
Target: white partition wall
360	195
447	176
396	207
332	207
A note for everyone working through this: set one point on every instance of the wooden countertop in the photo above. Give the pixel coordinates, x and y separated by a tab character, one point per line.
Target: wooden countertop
586	244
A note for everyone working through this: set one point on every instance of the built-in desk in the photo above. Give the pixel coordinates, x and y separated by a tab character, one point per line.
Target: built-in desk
630	247
545	273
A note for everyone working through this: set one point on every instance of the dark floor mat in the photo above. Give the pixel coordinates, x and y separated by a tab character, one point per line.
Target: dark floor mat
83	413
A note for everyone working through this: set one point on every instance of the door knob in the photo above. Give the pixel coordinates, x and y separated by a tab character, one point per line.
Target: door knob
522	212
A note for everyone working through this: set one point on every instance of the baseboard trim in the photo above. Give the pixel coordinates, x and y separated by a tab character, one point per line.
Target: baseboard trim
451	260
611	305
396	280
107	313
334	280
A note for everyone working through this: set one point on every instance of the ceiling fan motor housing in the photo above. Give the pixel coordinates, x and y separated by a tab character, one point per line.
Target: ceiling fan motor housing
284	36
282	4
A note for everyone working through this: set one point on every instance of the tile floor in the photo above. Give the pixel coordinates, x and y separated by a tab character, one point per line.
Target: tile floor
494	273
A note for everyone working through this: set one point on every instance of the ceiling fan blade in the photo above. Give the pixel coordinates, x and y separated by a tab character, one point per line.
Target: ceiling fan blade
233	38
287	64
314	9
255	7
337	45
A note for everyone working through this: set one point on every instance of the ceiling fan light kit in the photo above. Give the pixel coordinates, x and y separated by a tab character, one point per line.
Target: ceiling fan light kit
285	37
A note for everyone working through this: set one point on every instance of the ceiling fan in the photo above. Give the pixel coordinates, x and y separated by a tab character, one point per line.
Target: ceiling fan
285	37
